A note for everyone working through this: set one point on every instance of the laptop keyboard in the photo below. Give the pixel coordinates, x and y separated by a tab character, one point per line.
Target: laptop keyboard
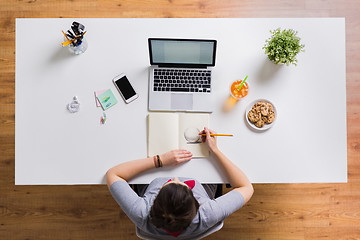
182	80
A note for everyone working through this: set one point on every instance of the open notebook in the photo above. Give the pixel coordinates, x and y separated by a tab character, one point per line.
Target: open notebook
166	132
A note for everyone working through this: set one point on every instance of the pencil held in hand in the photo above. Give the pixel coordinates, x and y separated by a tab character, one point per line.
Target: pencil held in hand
216	134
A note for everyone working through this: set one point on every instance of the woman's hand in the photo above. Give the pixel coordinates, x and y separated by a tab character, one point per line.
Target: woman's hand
209	140
175	157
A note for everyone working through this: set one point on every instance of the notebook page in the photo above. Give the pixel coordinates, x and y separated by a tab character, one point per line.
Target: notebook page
162	133
193	120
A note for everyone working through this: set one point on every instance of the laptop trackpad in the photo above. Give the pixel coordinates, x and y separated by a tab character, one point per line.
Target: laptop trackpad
181	101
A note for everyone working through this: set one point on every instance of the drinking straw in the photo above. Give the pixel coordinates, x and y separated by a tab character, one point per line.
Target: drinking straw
242	83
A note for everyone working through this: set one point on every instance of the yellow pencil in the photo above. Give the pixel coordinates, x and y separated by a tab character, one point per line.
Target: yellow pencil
216	134
64	44
65	36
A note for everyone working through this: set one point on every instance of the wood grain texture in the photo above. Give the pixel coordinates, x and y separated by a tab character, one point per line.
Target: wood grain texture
276	211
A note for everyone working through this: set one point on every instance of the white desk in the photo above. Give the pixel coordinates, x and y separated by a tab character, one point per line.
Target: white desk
53	146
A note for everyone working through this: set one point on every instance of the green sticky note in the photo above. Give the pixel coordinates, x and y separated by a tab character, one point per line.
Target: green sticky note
107	99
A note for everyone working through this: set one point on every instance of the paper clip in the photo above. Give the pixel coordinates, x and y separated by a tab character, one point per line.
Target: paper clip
103	119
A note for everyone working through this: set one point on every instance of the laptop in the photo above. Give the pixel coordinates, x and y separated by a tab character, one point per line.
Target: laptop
180	74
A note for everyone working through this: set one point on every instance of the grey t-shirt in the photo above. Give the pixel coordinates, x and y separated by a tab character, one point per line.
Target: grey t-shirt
211	211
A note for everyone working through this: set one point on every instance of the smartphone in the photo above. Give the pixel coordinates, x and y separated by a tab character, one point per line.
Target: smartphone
124	87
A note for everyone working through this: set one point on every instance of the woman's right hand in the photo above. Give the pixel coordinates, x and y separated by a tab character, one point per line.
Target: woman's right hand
209	140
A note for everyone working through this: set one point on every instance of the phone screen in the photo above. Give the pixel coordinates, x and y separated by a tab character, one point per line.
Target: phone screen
125	87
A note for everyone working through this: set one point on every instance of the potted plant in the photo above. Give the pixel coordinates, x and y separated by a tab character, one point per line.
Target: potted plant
283	46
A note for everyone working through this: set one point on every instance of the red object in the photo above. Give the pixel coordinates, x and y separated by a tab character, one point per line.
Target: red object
190	183
173	234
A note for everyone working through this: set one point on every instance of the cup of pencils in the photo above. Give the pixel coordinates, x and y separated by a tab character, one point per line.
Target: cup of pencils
74	39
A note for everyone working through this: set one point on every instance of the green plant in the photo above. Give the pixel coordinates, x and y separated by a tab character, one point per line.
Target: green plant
283	46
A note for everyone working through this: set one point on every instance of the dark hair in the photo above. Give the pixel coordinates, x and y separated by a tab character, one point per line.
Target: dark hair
174	208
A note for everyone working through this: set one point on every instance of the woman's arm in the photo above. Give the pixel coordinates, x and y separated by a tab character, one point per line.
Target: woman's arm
236	177
127	170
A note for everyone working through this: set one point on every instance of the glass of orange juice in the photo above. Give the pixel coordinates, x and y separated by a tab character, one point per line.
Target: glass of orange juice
236	93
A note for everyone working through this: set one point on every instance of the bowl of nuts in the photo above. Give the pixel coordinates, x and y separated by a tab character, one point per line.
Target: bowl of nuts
261	114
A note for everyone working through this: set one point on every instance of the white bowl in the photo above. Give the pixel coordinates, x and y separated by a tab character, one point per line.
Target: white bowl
266	126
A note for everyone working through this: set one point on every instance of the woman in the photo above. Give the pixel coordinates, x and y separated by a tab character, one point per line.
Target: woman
177	208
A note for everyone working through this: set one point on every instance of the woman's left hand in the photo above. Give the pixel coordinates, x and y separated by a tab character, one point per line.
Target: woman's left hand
175	157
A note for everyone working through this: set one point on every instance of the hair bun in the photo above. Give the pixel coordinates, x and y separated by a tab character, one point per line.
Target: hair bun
169	218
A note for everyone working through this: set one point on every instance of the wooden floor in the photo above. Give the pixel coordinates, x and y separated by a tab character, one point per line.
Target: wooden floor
276	211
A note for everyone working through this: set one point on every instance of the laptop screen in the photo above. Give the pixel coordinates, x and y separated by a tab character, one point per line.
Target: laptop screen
185	52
